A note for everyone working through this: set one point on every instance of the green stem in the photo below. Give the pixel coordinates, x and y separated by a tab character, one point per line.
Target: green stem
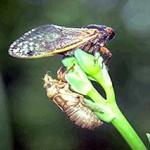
119	122
96	97
108	88
125	129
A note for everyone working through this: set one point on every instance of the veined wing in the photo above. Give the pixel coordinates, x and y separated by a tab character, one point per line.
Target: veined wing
49	40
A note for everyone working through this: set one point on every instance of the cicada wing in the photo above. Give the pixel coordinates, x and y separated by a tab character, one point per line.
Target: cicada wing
49	40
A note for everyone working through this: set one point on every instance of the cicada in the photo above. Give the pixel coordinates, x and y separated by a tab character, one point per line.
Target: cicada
49	40
70	102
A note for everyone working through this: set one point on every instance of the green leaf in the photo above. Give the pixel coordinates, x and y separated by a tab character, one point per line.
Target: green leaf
76	77
89	64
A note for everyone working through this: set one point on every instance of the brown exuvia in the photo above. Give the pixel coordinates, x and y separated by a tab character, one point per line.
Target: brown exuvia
71	103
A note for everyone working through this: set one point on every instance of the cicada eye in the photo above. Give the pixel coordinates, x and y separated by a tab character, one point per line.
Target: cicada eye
110	32
111	36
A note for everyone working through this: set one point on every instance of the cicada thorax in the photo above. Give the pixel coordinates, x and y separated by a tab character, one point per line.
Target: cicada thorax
71	103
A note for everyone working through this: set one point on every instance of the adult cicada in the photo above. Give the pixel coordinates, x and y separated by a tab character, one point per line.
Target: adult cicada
49	40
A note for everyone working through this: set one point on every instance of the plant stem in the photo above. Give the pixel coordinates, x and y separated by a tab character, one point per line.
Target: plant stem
125	129
120	122
96	97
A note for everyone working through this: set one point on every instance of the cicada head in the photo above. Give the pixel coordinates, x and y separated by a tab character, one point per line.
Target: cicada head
106	33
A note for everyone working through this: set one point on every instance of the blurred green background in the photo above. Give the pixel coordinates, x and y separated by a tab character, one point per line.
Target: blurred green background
28	121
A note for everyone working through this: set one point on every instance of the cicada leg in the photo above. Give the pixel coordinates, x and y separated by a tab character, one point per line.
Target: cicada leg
62	72
106	53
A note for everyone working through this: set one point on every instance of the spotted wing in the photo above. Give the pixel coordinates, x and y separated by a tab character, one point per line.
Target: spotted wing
49	40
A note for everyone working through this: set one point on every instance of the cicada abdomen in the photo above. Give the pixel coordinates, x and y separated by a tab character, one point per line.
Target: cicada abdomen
71	103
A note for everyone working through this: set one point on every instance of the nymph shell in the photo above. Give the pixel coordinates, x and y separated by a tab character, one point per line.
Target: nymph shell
71	103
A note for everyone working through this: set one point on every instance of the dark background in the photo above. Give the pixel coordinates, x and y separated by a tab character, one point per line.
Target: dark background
28	121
